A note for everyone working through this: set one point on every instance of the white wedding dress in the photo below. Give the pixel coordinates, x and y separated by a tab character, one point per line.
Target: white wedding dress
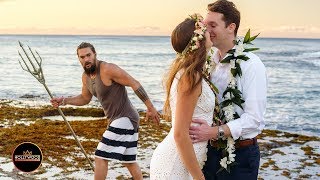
165	162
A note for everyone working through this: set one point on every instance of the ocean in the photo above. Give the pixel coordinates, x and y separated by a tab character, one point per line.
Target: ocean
293	68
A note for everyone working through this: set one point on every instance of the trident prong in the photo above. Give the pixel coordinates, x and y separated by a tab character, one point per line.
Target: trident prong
39	70
27	68
39	58
34	57
38	74
23	67
33	66
40	63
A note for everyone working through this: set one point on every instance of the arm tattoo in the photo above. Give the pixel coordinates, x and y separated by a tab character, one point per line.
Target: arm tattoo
142	94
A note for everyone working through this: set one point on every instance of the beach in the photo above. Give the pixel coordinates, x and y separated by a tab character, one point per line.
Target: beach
283	155
145	38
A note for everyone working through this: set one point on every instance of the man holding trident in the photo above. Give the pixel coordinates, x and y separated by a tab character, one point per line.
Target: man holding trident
107	82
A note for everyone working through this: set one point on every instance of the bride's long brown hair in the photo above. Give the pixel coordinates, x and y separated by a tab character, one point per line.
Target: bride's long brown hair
192	63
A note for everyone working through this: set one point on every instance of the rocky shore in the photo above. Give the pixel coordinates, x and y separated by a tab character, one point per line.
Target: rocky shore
283	154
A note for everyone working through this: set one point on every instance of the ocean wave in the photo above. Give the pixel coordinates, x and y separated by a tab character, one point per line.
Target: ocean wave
279	53
311	54
140	54
311	58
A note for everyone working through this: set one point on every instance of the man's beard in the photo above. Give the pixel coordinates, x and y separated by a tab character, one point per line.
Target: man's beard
91	69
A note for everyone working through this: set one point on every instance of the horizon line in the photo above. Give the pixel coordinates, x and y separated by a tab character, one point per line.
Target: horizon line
139	35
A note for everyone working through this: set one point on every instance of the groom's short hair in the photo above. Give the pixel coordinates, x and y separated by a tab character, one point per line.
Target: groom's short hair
229	11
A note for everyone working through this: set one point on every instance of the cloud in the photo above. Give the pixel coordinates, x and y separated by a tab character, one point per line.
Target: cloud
298	29
147	28
139	30
283	31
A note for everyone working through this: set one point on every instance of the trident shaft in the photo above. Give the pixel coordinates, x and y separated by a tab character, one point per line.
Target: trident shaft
35	69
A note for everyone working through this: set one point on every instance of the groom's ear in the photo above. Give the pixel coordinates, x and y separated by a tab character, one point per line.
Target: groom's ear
231	28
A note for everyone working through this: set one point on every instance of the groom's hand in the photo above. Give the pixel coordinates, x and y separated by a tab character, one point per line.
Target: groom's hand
200	133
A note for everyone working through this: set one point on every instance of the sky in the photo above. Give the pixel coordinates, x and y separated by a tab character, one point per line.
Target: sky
271	18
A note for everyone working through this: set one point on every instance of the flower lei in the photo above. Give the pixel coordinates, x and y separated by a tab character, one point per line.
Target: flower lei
231	96
198	35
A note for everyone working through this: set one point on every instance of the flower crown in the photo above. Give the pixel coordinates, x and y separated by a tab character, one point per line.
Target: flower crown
198	35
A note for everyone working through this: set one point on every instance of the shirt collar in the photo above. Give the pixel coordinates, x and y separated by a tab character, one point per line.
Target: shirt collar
217	56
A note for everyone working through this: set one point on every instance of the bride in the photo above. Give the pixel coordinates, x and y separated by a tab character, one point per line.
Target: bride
188	97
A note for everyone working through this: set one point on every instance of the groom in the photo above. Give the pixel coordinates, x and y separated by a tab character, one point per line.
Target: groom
223	20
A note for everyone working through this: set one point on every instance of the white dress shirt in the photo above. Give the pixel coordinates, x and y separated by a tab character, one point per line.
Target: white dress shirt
253	85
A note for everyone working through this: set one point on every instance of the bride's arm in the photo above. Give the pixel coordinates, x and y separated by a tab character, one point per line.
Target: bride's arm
186	102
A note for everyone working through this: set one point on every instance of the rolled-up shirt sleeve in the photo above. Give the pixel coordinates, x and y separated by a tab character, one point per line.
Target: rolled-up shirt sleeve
254	91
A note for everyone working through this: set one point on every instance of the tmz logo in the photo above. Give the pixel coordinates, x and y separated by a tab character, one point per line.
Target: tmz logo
27	156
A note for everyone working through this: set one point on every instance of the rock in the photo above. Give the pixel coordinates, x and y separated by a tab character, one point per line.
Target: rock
28	96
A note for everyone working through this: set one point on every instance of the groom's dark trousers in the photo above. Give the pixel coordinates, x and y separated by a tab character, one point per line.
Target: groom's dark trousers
247	158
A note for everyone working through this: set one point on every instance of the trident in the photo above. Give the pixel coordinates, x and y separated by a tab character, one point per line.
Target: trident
37	73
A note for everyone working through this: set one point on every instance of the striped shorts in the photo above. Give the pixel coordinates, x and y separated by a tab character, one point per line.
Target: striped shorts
119	142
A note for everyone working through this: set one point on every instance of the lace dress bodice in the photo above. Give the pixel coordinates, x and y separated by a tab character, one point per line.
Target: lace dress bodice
205	105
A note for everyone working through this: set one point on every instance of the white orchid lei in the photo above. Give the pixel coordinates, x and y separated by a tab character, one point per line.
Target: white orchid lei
225	112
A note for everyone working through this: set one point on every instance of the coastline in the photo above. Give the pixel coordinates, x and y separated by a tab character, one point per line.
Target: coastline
137	35
283	154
